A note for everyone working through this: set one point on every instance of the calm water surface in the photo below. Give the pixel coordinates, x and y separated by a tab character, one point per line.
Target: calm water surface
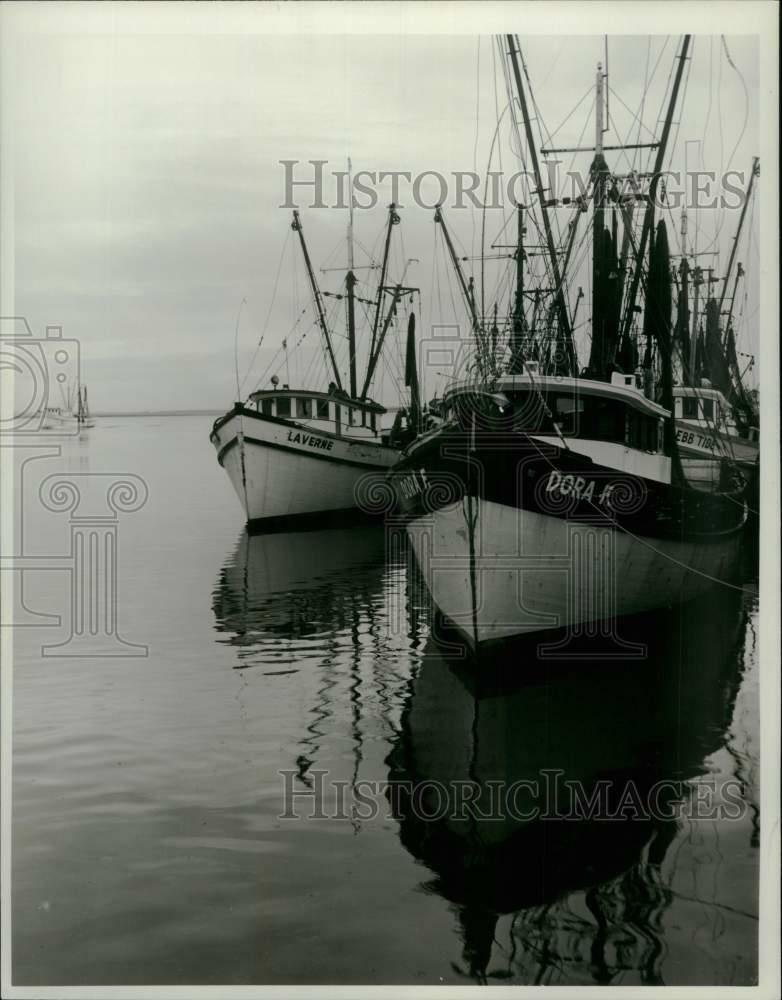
150	844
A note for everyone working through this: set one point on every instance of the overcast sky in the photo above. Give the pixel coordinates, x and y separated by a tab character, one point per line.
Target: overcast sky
148	182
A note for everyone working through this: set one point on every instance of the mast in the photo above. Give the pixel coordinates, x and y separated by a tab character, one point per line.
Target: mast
565	332
697	281
393	219
658	165
372	365
601	265
466	289
397	292
350	281
683	321
753	174
296	227
729	318
517	336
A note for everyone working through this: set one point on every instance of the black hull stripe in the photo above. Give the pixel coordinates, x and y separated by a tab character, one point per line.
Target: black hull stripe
518	475
311	521
369	466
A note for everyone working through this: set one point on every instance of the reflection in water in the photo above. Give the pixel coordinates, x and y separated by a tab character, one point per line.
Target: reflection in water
583	899
587	895
328	598
312	586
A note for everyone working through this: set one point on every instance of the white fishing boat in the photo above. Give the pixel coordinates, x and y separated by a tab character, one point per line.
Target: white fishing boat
716	418
707	435
304	452
72	416
554	496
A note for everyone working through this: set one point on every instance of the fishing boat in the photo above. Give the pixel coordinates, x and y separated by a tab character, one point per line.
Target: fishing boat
553	496
73	415
298	453
716	417
83	417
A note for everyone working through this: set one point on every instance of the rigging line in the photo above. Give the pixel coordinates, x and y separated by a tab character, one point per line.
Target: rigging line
645	90
706	126
269	313
483	212
477	133
589	91
290	333
541	126
496	97
746	100
668	82
637	116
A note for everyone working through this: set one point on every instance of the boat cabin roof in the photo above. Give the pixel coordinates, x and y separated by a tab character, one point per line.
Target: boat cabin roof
628	394
369	405
701	392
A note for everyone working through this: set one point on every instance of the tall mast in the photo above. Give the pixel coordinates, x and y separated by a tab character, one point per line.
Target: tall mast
658	165
600	263
393	219
351	261
397	292
564	320
753	174
296	226
517	336
465	289
350	281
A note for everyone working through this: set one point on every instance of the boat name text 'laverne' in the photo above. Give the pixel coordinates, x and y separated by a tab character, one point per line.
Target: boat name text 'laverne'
296	437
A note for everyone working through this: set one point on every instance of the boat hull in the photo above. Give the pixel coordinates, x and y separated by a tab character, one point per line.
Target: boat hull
529	572
282	471
518	539
702	454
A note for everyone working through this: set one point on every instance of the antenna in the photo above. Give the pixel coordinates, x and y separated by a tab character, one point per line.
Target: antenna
242	304
351	261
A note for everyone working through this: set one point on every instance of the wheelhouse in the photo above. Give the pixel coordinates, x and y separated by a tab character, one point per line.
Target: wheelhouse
704	406
615	412
335	414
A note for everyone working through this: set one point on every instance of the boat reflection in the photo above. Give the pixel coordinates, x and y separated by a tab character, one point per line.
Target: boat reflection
290	595
586	893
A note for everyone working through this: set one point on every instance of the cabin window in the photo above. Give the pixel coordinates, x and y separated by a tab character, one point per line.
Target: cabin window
304	408
373	421
266	406
708	409
568	404
322	409
690	408
607	422
283	406
363	418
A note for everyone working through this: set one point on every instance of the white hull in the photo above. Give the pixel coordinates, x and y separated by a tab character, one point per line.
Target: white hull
65	422
530	572
703	451
284	470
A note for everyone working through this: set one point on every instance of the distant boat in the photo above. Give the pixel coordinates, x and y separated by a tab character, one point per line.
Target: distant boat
297	452
73	415
82	409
